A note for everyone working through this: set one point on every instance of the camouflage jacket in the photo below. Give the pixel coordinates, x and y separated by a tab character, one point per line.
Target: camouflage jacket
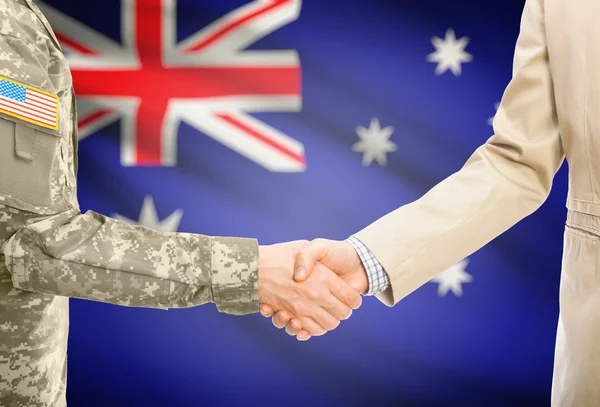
51	251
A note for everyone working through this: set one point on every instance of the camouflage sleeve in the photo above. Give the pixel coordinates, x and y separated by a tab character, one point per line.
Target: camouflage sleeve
94	257
60	251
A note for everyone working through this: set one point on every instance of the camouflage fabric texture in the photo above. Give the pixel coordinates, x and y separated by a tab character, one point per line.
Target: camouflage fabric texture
51	251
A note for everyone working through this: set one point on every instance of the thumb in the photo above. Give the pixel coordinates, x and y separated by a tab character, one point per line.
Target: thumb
307	257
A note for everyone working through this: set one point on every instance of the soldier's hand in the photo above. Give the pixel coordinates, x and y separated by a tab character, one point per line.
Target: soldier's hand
317	304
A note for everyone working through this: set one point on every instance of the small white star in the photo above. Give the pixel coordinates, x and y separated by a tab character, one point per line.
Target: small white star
491	119
374	143
449	53
452	278
149	218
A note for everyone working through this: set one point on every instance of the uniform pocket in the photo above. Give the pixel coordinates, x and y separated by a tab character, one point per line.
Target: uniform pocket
28	156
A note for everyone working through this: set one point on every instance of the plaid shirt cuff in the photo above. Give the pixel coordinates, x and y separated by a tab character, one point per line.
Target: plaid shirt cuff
378	278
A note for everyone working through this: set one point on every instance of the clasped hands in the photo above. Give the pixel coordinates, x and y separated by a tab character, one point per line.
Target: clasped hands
309	287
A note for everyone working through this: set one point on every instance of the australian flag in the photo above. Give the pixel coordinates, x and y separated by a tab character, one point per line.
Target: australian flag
285	120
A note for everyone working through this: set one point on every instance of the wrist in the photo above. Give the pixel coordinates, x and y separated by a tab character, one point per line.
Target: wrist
262	271
274	273
359	276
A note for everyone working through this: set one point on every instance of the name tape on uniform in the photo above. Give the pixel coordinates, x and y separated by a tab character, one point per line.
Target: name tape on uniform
29	104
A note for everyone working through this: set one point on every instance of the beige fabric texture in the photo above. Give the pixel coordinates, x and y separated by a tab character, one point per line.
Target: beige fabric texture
549	111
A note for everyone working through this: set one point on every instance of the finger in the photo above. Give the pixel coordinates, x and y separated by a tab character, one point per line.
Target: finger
311	327
337	309
324	319
345	293
303	336
306	259
281	319
266	310
331	303
294	327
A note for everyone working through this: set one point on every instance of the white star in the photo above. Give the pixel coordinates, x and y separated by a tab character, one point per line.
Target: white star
449	53
452	278
491	119
149	218
374	143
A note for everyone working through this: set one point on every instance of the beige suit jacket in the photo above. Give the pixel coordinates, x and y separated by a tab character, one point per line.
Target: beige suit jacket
550	109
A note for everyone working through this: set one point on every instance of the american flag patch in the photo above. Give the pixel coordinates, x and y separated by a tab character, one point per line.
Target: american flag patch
29	104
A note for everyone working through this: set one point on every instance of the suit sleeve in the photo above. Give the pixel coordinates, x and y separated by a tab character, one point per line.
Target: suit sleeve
94	257
505	180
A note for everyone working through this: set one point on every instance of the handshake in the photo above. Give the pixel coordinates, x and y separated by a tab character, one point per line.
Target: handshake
309	287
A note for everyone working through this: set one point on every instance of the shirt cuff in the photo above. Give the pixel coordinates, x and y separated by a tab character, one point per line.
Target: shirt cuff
378	278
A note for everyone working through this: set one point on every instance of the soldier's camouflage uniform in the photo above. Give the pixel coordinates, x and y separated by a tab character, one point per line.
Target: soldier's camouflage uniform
50	251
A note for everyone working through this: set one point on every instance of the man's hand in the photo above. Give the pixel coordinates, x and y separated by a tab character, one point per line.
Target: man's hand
317	303
338	256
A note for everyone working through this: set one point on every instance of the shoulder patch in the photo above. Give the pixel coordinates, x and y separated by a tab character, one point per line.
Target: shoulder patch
29	104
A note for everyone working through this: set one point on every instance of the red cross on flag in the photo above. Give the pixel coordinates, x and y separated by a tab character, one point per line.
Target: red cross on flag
152	82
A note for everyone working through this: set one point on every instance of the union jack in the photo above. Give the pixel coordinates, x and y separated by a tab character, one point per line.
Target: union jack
152	82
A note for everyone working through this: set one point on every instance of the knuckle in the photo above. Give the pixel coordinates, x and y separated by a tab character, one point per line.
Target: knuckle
299	307
282	317
313	294
350	298
294	303
318	241
329	303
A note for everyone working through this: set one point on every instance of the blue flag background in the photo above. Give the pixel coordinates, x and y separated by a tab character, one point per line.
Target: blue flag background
361	59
